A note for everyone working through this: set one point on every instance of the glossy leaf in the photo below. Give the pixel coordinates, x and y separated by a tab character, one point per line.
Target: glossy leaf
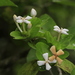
34	31
42	48
49	37
17	35
66	65
28	69
31	45
48	22
40	34
71	44
63	42
73	72
31	55
36	22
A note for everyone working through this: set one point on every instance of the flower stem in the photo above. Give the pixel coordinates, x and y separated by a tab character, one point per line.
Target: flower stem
51	73
23	27
58	36
60	71
19	27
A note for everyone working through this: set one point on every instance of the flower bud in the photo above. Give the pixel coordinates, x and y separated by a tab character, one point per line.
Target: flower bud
33	12
14	17
29	25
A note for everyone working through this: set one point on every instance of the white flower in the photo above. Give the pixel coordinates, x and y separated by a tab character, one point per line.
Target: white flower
61	30
46	62
33	12
20	19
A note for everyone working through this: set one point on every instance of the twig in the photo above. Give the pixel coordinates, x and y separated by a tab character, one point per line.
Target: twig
51	72
60	71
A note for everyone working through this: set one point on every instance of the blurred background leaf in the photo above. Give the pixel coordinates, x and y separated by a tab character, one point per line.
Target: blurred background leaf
7	3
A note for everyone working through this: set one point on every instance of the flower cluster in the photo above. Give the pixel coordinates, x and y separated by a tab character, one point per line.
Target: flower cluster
26	23
22	20
52	59
61	30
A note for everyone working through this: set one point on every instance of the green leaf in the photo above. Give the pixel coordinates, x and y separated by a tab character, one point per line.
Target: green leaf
31	45
17	35
48	22
71	44
7	3
70	3
42	48
35	21
73	72
72	29
63	42
34	31
31	55
66	65
49	37
28	69
40	34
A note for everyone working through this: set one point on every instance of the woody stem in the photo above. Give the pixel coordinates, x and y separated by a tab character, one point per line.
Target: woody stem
60	71
51	73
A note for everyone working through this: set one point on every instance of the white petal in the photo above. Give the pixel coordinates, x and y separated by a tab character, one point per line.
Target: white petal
18	18
33	12
57	30
48	67
26	21
45	56
56	27
64	32
19	21
40	63
54	61
28	18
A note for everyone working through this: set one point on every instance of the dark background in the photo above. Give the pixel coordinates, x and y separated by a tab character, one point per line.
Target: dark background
13	52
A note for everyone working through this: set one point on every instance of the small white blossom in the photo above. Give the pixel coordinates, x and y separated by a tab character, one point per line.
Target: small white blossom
20	19
61	30
33	12
46	62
